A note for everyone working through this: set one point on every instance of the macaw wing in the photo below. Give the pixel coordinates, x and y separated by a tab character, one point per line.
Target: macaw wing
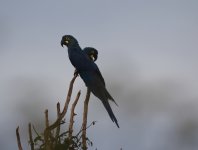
98	73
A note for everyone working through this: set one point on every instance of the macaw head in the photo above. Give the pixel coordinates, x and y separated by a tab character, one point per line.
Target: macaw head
68	40
91	52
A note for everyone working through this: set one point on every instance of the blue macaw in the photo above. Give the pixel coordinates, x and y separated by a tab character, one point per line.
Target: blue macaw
91	52
89	72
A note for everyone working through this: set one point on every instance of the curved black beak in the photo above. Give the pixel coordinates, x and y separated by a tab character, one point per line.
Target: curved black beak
62	43
96	57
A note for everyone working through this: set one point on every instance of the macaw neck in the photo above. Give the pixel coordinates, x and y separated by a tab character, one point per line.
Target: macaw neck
74	48
75	53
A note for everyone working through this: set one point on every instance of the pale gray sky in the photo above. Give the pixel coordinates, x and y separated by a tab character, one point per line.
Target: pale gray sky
148	54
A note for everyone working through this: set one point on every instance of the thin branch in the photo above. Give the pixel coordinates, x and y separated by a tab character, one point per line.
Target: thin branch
54	125
68	96
84	124
62	114
37	134
72	115
47	133
93	123
46	119
58	115
18	139
30	136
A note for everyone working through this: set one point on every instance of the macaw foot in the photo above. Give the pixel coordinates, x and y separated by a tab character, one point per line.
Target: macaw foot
76	73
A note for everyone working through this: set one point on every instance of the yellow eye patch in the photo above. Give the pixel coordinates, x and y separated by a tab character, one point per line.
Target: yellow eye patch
67	41
92	57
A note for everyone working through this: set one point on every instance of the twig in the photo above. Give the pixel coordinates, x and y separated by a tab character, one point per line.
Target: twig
58	115
18	139
39	136
93	123
47	133
72	115
68	96
84	124
46	119
30	136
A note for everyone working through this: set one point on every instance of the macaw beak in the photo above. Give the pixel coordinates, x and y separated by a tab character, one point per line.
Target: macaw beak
62	43
92	57
96	57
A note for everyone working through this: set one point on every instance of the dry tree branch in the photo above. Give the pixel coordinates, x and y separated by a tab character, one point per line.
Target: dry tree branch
47	133
68	96
50	140
58	115
72	115
84	124
57	122
30	136
18	139
48	128
46	119
58	127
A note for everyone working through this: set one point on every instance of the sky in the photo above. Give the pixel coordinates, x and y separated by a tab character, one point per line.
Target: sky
148	52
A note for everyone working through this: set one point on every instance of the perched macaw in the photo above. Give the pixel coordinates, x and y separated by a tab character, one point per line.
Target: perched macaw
91	52
89	72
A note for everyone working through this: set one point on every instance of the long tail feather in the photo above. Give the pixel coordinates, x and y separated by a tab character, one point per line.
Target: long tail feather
110	97
110	112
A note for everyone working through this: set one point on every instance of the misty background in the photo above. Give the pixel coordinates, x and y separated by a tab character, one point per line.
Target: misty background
148	55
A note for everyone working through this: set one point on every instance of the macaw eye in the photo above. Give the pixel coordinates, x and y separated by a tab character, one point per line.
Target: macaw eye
67	40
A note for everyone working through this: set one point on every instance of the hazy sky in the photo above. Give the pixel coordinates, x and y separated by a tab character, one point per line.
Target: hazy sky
148	52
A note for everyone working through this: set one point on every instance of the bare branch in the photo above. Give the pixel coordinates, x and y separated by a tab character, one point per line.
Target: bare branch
47	134
18	139
68	96
58	115
48	128
72	115
84	124
54	125
30	136
46	119
51	139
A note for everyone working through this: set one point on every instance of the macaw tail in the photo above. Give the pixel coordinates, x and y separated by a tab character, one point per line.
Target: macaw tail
110	112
